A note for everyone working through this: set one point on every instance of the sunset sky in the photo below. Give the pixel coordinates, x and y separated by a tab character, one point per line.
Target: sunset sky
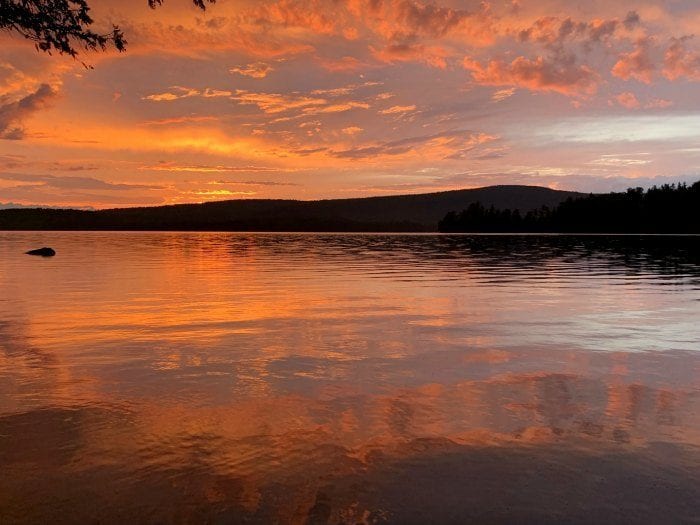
343	98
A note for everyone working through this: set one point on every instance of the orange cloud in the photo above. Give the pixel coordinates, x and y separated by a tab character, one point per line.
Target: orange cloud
344	64
344	90
562	76
352	130
178	92
502	94
628	100
554	31
659	103
396	110
638	64
13	79
254	70
681	63
277	103
336	108
309	15
434	56
447	145
217	194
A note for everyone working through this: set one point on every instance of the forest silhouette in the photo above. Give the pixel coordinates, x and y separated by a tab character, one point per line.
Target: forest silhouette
670	208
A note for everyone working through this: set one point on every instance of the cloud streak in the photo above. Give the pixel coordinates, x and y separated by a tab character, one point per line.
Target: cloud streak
71	183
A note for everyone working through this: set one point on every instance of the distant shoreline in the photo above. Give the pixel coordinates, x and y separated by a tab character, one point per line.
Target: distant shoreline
399	213
493	209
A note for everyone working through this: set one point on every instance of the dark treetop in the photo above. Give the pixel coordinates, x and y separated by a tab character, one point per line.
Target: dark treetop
666	209
63	26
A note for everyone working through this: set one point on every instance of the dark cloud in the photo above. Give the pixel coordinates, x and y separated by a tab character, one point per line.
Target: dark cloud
498	154
13	113
16	205
70	183
430	19
602	30
57	166
554	32
309	151
14	162
50	196
632	20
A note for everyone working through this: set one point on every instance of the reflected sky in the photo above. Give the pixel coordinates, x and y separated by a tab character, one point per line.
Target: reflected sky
320	378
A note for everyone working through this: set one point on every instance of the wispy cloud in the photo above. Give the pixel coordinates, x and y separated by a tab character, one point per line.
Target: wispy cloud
187	119
450	144
72	183
203	168
214	194
254	70
179	92
395	110
503	94
253	183
352	130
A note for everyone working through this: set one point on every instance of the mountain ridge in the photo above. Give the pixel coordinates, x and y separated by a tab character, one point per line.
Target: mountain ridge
401	213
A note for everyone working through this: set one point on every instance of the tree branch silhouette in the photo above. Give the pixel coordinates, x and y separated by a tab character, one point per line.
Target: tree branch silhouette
63	26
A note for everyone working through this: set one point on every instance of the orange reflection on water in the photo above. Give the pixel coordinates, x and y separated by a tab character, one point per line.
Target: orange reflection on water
324	379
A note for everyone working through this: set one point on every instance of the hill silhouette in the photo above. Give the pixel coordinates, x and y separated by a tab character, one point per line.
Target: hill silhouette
400	213
669	208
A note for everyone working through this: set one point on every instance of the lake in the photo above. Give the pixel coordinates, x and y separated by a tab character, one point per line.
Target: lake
339	378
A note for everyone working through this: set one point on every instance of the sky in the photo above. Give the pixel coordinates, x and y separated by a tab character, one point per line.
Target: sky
310	99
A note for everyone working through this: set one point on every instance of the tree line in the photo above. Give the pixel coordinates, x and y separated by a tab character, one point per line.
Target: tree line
670	208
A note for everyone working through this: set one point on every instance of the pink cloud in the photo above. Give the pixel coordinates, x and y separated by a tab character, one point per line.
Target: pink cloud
637	64
628	100
659	103
560	75
346	64
434	56
679	62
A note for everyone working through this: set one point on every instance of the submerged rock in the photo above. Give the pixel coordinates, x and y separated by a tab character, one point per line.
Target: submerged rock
43	252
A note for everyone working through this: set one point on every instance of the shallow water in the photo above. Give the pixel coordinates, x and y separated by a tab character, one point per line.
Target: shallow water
316	378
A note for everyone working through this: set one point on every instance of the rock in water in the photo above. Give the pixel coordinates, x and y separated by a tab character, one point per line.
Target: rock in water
43	252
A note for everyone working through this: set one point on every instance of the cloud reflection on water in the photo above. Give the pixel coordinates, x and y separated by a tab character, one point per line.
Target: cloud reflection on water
340	379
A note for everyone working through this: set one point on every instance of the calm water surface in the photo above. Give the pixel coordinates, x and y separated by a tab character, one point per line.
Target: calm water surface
264	378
